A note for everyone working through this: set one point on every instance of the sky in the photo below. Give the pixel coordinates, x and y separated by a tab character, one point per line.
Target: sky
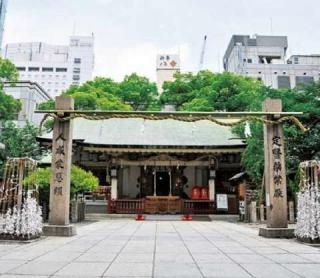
130	33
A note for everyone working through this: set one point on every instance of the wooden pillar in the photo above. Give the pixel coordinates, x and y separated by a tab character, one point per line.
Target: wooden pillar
275	170
61	172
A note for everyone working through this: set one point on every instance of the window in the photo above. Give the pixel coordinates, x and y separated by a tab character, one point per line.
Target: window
61	69
303	80
275	72
47	69
76	70
296	60
76	77
259	72
33	69
284	82
304	73
284	72
259	78
77	60
250	61
21	68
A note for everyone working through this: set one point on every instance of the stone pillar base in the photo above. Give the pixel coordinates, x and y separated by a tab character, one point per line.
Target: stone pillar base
59	230
276	232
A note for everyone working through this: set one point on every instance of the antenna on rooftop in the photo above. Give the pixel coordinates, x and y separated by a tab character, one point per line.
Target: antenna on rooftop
271	26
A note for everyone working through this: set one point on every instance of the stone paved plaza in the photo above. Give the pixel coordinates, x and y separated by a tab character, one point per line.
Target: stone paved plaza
126	248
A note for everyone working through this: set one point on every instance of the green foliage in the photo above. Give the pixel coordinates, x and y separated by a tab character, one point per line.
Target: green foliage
8	71
207	91
81	180
137	91
19	142
133	93
9	107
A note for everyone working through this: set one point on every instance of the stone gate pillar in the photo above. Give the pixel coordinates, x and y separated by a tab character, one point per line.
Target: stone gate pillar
60	173
275	174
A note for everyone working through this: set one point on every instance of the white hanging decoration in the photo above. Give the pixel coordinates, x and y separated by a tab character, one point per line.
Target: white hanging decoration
24	222
308	213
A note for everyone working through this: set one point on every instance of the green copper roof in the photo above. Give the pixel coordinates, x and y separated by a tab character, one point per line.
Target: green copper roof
139	132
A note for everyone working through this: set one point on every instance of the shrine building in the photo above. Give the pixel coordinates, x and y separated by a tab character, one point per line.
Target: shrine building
160	166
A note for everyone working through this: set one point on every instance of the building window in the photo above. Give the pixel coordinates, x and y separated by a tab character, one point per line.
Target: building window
296	60
259	78
76	70
301	81
77	60
250	61
275	72
21	68
61	69
47	69
284	72
304	73
76	77
284	82
259	72
33	69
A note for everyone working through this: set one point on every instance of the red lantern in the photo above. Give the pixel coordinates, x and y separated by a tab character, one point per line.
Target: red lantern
195	193
204	193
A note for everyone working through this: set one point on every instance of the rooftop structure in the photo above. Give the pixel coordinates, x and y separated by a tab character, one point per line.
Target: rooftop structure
54	67
265	58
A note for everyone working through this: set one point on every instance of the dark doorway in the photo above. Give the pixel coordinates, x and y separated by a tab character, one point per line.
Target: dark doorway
163	183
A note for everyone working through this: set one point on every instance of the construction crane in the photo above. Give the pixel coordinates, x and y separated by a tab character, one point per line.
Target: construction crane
202	52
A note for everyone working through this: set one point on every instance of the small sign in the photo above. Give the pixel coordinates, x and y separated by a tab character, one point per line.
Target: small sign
222	201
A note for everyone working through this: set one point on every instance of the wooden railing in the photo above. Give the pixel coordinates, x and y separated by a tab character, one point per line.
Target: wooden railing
126	206
129	206
198	207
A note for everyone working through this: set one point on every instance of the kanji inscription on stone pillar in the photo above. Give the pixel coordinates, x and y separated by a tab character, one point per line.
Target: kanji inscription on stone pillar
61	165
275	170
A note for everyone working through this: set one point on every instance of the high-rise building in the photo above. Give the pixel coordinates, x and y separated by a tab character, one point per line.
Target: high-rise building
264	58
53	67
3	9
167	66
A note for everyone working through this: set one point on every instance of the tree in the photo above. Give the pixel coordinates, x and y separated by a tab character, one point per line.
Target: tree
9	107
19	142
81	181
207	91
134	92
138	91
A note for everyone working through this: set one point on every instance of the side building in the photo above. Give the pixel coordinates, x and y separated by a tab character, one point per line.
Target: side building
54	67
30	95
265	58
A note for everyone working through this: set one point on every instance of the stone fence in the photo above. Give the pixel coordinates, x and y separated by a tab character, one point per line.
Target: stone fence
257	213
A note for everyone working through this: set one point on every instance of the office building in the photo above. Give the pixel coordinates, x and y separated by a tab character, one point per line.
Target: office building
265	58
54	67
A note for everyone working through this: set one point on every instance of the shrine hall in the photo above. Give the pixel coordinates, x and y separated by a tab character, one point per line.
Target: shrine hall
160	166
